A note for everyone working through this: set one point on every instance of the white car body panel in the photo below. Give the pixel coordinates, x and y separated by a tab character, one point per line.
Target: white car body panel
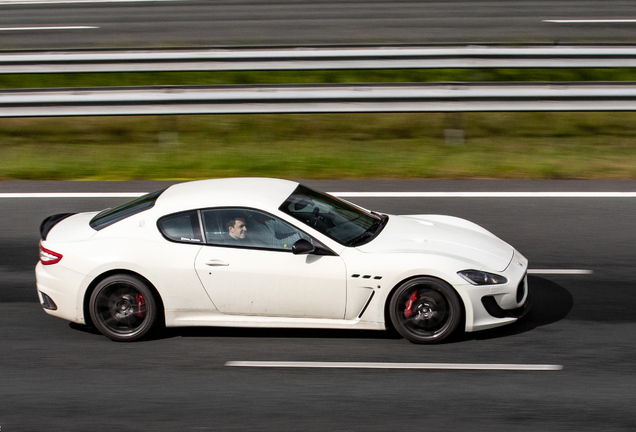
217	319
61	283
72	229
272	283
202	284
444	236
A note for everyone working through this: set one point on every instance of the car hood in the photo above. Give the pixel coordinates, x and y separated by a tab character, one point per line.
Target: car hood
442	235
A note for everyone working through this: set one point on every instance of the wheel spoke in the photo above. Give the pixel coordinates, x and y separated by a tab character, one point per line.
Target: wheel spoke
110	321
130	321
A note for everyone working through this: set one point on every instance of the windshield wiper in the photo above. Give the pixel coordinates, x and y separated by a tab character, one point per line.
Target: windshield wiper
371	232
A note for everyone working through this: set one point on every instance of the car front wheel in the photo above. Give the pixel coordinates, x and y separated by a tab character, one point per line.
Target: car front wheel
425	310
123	308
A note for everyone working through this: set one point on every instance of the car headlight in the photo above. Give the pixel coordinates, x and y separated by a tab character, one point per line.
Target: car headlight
477	277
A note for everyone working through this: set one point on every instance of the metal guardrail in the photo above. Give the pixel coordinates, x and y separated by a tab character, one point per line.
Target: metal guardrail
318	59
319	99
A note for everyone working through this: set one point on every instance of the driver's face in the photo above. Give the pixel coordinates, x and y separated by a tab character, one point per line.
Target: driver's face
238	230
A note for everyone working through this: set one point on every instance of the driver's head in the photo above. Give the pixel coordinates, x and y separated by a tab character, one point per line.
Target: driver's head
236	228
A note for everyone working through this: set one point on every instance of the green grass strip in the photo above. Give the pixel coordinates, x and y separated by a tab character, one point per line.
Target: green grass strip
13	81
321	146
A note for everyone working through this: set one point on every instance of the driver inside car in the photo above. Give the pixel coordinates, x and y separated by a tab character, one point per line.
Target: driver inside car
237	231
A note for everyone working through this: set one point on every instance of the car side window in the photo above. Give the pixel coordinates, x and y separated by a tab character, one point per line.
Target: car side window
242	227
181	227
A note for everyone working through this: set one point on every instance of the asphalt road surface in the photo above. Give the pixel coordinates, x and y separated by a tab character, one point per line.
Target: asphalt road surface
57	376
292	22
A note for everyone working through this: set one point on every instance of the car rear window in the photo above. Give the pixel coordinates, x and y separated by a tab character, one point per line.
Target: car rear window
181	227
113	215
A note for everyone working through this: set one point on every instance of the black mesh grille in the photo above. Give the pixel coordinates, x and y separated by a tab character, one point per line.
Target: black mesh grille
47	302
521	289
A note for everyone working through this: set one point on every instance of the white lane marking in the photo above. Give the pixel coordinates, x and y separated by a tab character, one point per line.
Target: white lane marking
346	194
485	194
358	194
46	28
589	21
25	2
365	365
74	195
560	271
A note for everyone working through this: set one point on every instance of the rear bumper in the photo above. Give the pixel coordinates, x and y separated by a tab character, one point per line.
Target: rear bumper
61	286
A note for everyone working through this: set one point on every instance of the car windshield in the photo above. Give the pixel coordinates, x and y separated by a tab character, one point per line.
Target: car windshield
337	219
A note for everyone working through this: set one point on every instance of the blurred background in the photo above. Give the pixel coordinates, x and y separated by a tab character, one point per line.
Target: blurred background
579	142
349	96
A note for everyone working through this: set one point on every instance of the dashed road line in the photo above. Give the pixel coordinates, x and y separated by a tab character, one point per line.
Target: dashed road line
366	365
560	272
28	2
47	28
590	21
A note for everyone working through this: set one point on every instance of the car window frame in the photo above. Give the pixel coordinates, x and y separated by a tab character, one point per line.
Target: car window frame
202	242
321	248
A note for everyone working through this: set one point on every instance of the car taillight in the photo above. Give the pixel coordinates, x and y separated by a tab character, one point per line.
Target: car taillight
48	257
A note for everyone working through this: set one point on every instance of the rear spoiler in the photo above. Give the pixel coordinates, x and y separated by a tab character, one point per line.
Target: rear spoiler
50	222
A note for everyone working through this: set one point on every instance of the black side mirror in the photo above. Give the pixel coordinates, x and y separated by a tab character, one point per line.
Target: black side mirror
302	247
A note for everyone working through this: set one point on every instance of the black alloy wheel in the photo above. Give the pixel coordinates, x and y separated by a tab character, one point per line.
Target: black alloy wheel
425	310
123	308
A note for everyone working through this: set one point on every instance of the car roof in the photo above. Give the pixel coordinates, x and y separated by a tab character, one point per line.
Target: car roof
263	193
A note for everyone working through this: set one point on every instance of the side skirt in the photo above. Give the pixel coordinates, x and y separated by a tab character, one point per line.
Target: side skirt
216	319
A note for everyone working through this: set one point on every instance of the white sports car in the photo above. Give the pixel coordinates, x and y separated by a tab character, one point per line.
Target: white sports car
263	252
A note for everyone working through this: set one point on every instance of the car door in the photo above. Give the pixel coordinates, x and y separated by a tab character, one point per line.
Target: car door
259	274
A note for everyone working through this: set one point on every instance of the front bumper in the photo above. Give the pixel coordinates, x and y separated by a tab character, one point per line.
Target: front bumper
489	306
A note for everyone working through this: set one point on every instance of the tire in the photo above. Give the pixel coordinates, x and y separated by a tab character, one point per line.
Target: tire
425	310
123	308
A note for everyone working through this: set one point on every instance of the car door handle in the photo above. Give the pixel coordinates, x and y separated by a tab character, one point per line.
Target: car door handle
216	263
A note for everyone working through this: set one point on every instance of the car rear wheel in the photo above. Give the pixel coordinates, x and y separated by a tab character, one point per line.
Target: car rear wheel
425	310
123	308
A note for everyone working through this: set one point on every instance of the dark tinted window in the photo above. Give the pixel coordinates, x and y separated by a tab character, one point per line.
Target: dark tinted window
111	216
257	229
181	227
335	218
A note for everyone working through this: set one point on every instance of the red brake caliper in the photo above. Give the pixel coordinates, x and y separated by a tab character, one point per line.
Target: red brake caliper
409	303
141	306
